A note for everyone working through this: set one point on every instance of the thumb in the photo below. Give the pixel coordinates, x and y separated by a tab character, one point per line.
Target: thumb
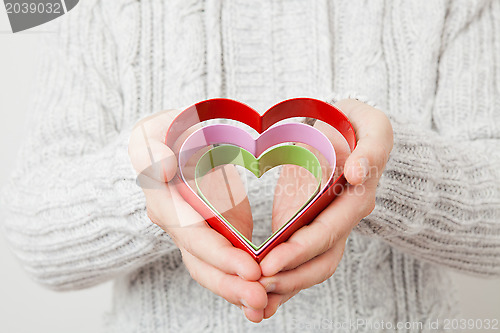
154	159
149	155
375	139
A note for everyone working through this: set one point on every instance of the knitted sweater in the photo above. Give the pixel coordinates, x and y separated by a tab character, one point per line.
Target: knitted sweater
75	216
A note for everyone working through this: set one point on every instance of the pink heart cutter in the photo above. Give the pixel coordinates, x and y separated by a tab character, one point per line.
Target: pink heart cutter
282	133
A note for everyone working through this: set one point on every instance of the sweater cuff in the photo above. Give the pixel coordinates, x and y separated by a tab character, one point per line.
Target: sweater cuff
390	193
335	97
405	186
131	197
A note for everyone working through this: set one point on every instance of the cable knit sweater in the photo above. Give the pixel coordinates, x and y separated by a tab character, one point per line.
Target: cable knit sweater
75	216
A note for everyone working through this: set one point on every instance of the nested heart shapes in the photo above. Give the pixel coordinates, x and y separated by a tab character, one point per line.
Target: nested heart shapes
227	134
226	108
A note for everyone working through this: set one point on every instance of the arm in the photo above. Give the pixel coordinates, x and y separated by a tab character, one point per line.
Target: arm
72	210
439	197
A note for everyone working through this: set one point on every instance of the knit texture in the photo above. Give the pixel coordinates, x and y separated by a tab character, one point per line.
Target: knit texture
75	216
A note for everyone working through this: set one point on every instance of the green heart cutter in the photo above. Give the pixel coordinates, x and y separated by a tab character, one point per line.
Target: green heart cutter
280	155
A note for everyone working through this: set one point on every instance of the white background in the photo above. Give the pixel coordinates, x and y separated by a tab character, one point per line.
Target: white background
26	307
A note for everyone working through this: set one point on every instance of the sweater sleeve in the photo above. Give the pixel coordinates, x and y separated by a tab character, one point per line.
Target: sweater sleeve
439	196
72	211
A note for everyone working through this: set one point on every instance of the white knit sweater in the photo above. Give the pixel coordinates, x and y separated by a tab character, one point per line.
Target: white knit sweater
75	217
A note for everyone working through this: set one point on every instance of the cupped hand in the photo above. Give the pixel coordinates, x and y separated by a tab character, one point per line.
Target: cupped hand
210	258
311	255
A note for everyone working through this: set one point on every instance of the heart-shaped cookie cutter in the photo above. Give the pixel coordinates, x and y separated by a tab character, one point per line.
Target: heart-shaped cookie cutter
282	133
231	109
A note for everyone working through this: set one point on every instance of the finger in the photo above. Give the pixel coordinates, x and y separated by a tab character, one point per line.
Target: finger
306	275
223	188
184	135
189	230
165	205
148	153
249	294
329	227
295	185
342	150
153	159
274	301
210	246
214	249
375	140
255	316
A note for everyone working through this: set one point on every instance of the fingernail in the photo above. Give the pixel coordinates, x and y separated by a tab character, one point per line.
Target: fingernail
271	287
245	304
364	168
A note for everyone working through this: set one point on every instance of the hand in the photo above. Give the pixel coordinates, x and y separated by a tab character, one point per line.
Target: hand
311	255
210	258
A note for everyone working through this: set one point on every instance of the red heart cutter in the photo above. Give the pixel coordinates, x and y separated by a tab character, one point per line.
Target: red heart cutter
231	109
